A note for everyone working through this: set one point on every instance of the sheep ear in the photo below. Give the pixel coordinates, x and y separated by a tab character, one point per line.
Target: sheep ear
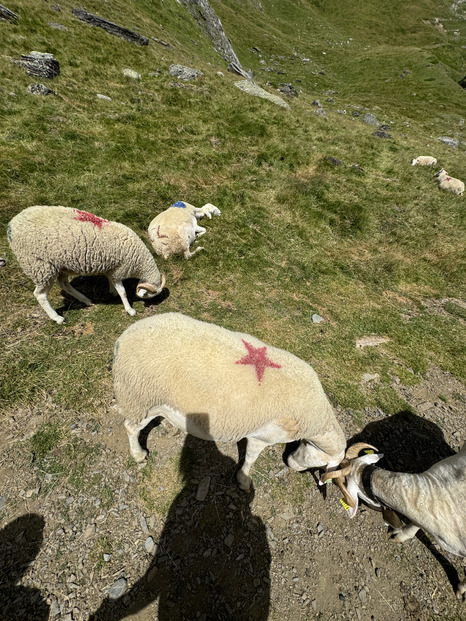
142	292
353	492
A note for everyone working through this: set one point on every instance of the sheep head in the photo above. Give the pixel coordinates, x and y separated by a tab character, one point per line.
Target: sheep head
345	467
147	290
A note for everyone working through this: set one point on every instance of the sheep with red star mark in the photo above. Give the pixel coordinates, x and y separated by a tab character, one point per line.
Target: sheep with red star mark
223	386
53	242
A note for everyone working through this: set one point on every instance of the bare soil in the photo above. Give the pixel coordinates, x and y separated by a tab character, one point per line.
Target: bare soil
73	540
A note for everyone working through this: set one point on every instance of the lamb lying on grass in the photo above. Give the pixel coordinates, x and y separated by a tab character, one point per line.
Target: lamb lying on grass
174	230
424	160
445	182
434	500
223	386
53	243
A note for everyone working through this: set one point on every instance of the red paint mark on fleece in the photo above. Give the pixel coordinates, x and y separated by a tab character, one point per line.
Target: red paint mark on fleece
84	216
159	234
257	357
447	178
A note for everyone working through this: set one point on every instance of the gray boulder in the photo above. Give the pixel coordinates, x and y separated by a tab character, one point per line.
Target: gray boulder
184	73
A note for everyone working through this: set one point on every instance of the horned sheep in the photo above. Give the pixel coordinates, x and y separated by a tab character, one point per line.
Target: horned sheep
433	500
174	230
449	183
223	386
54	242
424	160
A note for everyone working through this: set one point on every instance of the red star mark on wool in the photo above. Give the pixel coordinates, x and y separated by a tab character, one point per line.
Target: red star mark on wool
84	216
257	357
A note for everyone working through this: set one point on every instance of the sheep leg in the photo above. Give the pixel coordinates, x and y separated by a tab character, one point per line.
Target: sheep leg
461	591
399	535
41	293
188	254
65	285
112	289
133	430
199	230
120	289
253	449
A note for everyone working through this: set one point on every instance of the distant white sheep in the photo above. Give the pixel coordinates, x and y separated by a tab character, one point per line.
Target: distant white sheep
445	182
223	386
424	160
434	500
174	230
53	243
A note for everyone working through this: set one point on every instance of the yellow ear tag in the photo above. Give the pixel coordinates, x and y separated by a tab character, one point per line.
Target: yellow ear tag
328	481
344	503
368	452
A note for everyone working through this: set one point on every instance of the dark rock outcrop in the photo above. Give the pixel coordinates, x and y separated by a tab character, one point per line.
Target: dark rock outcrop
7	14
110	27
39	64
211	26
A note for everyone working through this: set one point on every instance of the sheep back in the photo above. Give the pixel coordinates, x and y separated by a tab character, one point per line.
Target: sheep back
231	383
48	240
172	231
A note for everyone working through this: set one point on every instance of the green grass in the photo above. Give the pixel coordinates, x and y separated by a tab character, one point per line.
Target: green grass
362	244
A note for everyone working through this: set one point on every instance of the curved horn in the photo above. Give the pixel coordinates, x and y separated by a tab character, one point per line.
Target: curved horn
146	285
345	468
354	450
162	285
349	499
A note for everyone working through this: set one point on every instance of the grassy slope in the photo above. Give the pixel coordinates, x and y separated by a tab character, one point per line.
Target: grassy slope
363	246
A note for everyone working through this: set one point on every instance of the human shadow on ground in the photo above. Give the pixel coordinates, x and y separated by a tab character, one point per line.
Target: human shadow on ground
20	542
411	444
212	560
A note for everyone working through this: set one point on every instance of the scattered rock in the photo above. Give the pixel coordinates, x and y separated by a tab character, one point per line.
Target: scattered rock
335	161
160	42
184	73
130	73
118	589
110	27
149	544
56	26
40	89
321	112
40	64
236	68
317	318
370	119
203	489
370	377
316	103
451	142
288	90
7	14
381	134
105	97
257	91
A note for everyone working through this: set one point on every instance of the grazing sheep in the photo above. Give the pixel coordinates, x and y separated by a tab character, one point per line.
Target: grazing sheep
424	160
223	386
52	243
445	182
433	500
175	229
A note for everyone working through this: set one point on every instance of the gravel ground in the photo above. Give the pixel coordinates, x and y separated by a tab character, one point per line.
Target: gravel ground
103	539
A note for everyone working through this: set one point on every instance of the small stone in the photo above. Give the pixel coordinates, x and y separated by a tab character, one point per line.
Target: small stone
229	540
40	89
57	26
184	73
381	134
3	500
321	112
451	142
107	557
130	73
203	489
143	523
314	605
370	119
149	544
370	377
317	318
118	589
363	595
104	97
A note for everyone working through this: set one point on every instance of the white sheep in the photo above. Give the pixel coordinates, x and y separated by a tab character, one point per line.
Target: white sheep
434	500
53	243
223	386
445	182
174	230
424	160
